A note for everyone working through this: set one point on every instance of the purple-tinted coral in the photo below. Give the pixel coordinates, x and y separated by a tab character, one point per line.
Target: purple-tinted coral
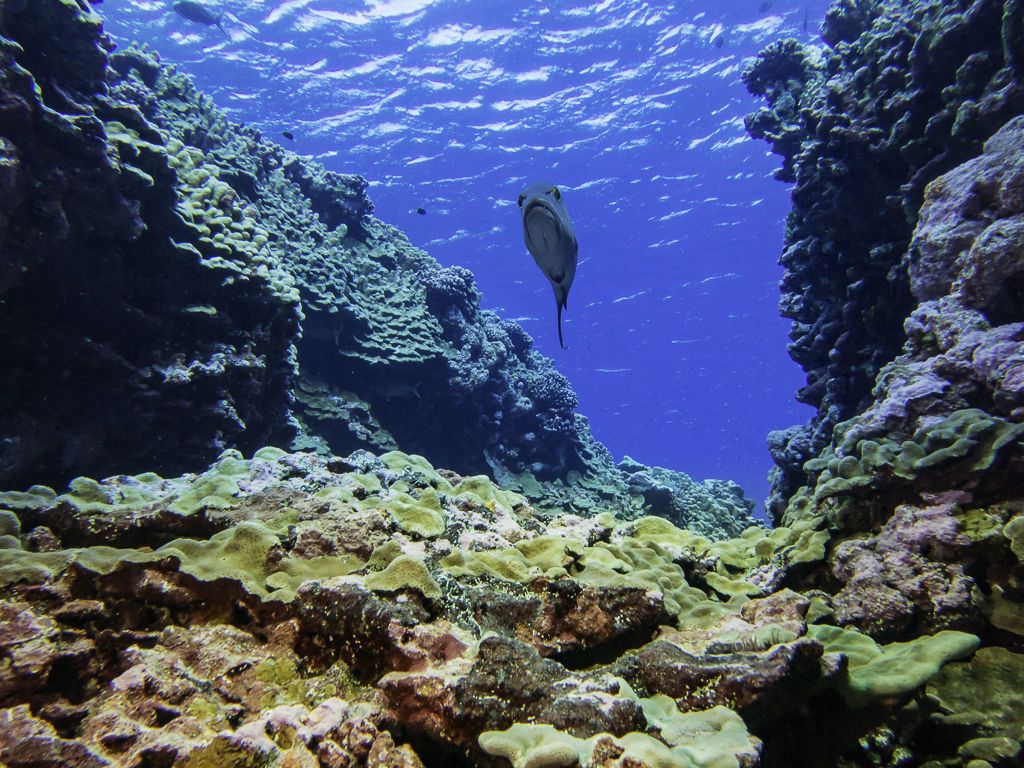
908	92
451	287
911	577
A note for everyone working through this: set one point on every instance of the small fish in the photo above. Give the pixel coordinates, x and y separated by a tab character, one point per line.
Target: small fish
288	135
719	41
551	240
805	21
398	390
421	211
199	13
765	6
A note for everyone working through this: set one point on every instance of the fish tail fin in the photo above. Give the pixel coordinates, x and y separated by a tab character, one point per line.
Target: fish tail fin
560	342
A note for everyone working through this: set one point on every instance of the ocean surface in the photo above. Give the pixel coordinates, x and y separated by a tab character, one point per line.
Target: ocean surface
634	109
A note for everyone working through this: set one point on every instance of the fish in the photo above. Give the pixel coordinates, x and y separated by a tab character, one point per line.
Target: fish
765	6
421	211
551	240
288	135
398	390
199	13
806	19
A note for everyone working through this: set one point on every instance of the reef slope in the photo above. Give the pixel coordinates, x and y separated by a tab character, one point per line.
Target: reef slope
172	284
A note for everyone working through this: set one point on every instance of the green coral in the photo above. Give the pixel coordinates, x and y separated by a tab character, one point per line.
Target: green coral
9	524
400	462
526	561
404	572
624	562
421	517
1004	613
241	553
986	691
217	488
227	236
714	738
658	530
481	492
337	417
505	565
736	558
1014	531
632	563
36	497
537	746
878	672
968	441
382	556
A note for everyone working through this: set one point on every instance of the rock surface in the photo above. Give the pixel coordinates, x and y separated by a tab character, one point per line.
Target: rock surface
288	609
901	94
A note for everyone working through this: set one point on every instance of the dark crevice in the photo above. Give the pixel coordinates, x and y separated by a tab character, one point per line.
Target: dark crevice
432	754
608	652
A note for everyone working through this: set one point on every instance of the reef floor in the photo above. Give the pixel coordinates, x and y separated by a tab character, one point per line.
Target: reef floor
292	610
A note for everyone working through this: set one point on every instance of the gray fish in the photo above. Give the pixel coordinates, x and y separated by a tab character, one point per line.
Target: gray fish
551	240
391	390
199	13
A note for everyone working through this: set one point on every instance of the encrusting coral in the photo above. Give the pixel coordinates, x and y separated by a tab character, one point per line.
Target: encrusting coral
900	94
381	596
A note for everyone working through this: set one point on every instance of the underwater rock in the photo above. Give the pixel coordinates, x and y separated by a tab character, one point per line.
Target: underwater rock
946	413
903	93
126	328
704	508
911	577
292	609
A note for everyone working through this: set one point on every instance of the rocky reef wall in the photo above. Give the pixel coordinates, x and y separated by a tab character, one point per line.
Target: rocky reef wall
901	93
119	337
173	284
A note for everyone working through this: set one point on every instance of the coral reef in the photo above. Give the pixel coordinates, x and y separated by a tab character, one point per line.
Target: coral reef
289	609
297	608
946	415
99	360
903	93
188	279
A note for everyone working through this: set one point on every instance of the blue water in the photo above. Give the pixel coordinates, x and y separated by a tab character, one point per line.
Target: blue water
635	110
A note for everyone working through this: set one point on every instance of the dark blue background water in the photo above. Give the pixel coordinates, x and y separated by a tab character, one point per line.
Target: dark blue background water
675	344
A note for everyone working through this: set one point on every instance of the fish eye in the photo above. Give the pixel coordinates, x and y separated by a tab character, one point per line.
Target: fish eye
557	195
521	198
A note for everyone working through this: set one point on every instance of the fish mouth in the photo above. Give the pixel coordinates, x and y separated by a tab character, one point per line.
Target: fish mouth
532	207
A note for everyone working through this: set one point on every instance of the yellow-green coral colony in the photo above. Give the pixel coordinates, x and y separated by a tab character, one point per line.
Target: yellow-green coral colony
639	554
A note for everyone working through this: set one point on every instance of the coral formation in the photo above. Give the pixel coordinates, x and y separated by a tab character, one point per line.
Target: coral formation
282	608
291	609
91	238
903	93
